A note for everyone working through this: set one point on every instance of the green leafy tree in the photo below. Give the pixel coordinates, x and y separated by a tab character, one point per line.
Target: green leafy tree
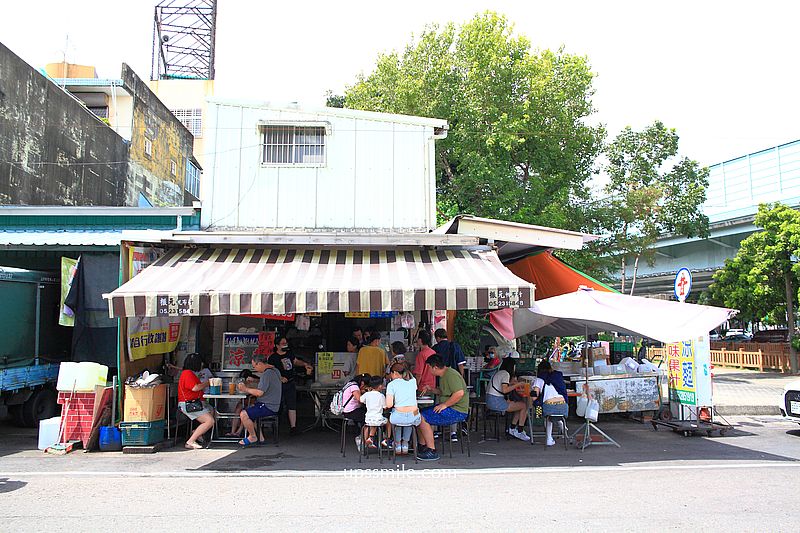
647	198
763	278
333	100
518	146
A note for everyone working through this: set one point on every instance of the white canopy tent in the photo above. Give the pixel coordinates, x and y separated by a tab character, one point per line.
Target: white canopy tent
588	311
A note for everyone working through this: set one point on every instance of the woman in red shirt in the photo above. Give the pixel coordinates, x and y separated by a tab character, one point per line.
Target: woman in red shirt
190	391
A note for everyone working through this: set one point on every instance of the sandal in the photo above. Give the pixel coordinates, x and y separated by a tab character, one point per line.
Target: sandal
371	444
245	442
193	446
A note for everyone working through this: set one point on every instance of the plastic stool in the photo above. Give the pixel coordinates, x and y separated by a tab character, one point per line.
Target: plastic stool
564	434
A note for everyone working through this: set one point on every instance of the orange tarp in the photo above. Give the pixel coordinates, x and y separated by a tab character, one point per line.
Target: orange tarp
552	276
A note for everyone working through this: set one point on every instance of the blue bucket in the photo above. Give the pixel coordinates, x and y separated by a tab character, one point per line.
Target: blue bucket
110	439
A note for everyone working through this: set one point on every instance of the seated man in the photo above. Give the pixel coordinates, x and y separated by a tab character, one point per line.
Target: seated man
267	397
452	409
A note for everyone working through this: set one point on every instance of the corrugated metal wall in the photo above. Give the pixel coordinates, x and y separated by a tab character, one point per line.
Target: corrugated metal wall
377	175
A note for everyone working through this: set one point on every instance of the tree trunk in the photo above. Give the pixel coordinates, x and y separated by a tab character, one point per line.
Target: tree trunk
622	282
790	318
635	271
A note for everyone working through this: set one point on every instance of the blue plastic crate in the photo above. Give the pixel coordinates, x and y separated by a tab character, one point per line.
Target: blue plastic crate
142	433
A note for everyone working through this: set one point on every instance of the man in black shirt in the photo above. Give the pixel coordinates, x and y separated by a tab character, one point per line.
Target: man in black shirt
285	363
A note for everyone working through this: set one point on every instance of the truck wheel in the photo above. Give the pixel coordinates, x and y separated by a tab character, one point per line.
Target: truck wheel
15	411
40	406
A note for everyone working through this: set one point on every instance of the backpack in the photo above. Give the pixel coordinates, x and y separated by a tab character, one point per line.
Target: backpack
338	402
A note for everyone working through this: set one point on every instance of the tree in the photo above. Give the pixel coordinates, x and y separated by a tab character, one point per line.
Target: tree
518	145
762	279
646	200
333	100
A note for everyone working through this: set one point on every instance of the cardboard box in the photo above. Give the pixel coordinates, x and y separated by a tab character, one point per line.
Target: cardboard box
145	405
598	354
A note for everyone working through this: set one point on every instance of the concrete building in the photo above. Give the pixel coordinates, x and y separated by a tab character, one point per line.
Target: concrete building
736	188
161	165
88	141
187	100
270	167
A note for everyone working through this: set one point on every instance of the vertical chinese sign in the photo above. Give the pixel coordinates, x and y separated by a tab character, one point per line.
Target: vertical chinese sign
681	373
689	372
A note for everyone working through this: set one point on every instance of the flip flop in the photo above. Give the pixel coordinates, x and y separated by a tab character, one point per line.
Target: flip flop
245	442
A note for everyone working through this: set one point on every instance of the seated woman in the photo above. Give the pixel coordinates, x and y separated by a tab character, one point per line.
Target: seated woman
552	393
190	399
401	398
353	408
502	384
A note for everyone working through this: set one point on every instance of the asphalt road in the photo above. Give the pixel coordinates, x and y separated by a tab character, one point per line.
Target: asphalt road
744	482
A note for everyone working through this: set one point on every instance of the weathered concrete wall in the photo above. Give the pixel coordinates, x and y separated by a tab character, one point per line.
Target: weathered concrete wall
53	151
152	174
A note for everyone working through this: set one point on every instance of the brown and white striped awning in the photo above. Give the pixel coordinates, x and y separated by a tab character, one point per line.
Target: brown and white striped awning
244	281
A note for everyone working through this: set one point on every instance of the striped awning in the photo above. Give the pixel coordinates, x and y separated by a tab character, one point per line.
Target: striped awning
245	281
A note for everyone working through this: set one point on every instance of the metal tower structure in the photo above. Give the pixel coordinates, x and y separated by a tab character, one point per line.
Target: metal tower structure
183	39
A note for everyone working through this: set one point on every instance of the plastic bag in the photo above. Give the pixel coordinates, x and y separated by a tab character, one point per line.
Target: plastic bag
582	403
592	411
630	364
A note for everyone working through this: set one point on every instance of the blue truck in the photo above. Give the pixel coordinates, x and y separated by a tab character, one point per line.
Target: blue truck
31	344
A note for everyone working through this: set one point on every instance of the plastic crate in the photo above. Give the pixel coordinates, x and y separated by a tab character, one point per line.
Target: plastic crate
142	433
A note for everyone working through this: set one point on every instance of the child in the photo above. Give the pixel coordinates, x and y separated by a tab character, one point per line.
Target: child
398	356
375	402
251	381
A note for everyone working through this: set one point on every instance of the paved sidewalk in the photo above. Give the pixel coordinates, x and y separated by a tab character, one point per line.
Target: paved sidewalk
747	392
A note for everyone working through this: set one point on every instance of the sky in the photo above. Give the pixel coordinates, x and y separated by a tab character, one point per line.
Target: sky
723	74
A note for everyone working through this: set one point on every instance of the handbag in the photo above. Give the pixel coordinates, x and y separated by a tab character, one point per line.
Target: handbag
193	406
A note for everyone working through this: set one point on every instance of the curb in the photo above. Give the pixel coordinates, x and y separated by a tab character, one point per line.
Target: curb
739	410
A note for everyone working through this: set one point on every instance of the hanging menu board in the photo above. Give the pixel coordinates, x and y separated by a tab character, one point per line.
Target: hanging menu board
334	368
238	349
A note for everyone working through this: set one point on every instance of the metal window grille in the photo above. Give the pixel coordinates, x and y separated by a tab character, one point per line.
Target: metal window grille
293	145
192	119
192	179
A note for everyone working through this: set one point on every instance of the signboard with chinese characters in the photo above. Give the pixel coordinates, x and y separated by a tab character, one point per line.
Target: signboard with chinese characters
502	298
148	336
689	372
177	305
238	349
334	368
683	284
